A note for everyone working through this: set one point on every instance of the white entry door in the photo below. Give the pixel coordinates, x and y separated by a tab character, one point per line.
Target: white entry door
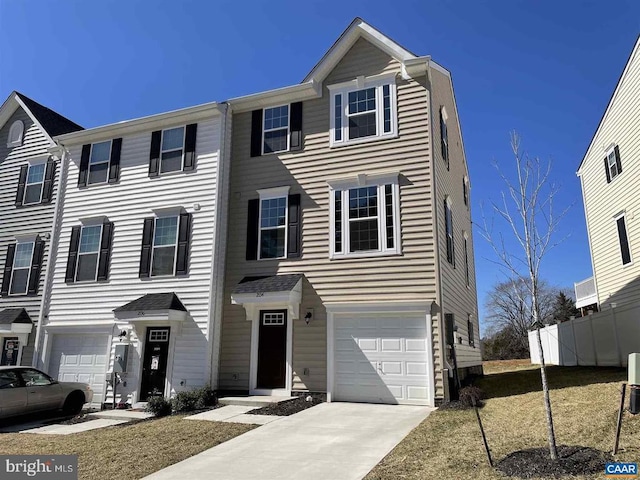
381	359
80	358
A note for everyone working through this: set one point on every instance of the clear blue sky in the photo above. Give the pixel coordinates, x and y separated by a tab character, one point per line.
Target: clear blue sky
543	68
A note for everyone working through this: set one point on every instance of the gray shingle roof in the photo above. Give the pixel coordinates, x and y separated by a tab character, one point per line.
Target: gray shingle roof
52	122
14	315
153	301
275	283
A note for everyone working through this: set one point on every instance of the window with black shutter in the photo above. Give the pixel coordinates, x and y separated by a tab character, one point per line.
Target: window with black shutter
35	183
612	163
165	246
472	339
89	252
448	218
444	136
173	150
100	163
625	251
22	267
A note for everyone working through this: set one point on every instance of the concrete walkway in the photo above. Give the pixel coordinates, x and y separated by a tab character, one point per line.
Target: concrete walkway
234	414
338	441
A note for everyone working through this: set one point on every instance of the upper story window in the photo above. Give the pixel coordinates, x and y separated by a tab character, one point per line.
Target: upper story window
625	251
165	245
173	150
365	216
466	258
274	228
612	164
276	129
444	136
90	251
362	110
472	339
16	134
465	191
22	267
34	184
100	163
448	221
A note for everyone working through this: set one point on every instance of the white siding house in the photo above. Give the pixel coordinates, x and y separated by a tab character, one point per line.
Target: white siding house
141	242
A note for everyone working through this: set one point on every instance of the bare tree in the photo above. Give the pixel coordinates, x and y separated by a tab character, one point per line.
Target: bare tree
527	207
510	305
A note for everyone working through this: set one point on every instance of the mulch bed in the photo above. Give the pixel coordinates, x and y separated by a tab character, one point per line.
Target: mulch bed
289	407
459	405
535	462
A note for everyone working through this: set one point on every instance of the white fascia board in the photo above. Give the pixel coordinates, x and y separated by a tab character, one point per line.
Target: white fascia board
152	122
295	93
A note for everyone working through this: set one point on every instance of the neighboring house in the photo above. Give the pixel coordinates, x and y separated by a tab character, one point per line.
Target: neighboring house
350	254
29	186
141	242
610	175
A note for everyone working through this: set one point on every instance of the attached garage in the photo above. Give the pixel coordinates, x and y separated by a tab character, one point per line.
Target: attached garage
381	357
80	358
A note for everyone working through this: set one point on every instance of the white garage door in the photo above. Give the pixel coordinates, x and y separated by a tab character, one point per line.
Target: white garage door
381	359
80	358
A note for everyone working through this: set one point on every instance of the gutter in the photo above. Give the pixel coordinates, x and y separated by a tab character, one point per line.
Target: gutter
53	247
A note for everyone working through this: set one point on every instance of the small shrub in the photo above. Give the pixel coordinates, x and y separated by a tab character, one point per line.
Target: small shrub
469	394
207	397
159	406
186	401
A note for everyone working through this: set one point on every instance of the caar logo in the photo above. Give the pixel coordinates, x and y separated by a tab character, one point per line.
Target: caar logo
621	470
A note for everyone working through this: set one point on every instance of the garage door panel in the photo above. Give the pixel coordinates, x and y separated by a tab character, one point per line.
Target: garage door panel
391	344
415	345
392	368
416	368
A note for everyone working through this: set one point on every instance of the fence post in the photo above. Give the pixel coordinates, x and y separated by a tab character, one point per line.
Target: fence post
615	332
593	339
575	341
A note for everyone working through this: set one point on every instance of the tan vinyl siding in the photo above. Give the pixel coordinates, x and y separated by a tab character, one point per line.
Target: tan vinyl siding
410	276
457	297
603	201
26	220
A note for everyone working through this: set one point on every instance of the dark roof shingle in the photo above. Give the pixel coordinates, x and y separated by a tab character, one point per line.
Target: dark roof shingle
153	301
52	122
14	315
275	283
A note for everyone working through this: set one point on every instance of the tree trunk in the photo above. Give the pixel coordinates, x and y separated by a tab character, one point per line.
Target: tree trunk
551	436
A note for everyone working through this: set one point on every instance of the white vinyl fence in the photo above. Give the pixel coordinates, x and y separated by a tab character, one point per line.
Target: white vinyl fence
602	339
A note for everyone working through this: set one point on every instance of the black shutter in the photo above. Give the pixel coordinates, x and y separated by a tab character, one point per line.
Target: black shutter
296	127
184	235
256	133
154	154
47	187
70	275
84	165
618	162
8	267
145	251
606	169
190	147
252	229
294	227
105	251
36	263
22	182
114	161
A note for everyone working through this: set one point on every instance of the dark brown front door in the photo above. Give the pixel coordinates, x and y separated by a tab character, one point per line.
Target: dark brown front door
9	352
154	365
272	349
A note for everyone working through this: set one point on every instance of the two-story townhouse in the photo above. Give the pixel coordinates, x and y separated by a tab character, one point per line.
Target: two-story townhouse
134	285
350	254
609	175
29	198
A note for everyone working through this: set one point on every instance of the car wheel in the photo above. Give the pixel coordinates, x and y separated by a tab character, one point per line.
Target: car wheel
73	403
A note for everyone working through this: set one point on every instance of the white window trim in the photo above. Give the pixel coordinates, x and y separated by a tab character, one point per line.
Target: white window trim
95	276
379	181
13	268
269	194
362	83
26	182
608	152
623	215
288	128
108	162
175	245
17	125
184	139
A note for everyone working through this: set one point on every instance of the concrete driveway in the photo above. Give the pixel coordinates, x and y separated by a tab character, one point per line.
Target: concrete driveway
338	441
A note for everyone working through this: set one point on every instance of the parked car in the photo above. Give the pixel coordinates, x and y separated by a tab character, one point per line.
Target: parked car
25	390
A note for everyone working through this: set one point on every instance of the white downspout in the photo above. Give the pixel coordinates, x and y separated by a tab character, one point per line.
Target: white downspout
53	246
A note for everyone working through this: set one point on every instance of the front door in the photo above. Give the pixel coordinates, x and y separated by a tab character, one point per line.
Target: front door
272	349
154	365
9	352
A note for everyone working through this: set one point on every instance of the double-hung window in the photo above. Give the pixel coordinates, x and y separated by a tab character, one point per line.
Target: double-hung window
34	184
363	110
276	129
471	333
625	251
448	220
99	162
612	163
165	242
466	258
21	268
88	252
444	136
365	216
172	150
273	223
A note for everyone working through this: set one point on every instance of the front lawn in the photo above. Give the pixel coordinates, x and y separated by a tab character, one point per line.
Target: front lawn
448	444
127	451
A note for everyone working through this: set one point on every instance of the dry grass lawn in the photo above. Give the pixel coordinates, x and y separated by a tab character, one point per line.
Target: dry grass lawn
127	451
448	443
